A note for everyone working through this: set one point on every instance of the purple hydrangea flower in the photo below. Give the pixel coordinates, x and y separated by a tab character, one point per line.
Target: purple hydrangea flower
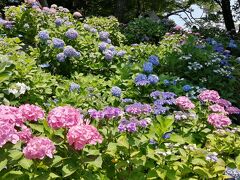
212	157
153	79
143	123
59	21
61	57
148	67
160	110
168	95
121	53
108	41
43	35
103	35
116	91
102	46
167	135
98	115
112	112
141	80
71	34
58	43
131	126
155	94
154	60
74	86
109	54
69	51
138	108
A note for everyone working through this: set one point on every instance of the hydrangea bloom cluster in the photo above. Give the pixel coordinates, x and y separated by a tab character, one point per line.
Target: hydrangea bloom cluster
180	115
43	35
20	88
7	133
116	91
69	51
161	100
109	54
217	108
219	120
77	14
187	88
121	53
153	79
184	103
108	113
138	108
11	115
38	148
233	110
103	46
64	117
209	95
31	112
103	35
25	134
61	57
148	67
79	136
132	125
71	34
58	43
154	60
212	157
59	21
234	173
141	80
74	86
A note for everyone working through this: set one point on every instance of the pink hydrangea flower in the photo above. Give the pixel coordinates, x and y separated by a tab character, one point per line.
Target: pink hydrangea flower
64	117
11	115
25	134
79	136
217	108
31	112
208	95
218	120
223	102
77	14
8	133
184	103
233	110
38	148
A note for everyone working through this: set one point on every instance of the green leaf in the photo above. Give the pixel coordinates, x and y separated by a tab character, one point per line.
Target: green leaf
15	154
97	162
198	161
37	127
25	163
112	149
68	170
3	164
201	171
177	138
122	141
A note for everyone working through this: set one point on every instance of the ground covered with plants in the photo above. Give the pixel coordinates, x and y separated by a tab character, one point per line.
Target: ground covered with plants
87	99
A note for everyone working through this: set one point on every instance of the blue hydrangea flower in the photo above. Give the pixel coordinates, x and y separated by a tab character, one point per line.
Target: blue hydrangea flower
102	46
148	67
112	48
116	91
59	21
152	141
167	135
61	57
69	51
121	53
153	79
43	35
74	86
154	60
166	82
141	80
232	44
187	88
234	173
109	54
103	35
71	34
160	110
127	100
58	43
108	41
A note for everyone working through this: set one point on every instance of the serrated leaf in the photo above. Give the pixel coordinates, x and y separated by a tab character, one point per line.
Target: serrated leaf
97	162
3	164
68	170
15	154
122	141
25	163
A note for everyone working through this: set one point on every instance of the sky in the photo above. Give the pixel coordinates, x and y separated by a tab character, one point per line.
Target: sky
197	12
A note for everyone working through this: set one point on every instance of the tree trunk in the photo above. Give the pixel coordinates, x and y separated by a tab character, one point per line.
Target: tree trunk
120	10
227	15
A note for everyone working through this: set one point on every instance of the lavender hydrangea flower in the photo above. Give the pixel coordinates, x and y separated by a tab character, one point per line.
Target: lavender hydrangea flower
103	35
102	46
138	108
131	126
141	80
234	173
93	30
154	60
87	27
153	79
43	35
143	123
127	100
160	110
109	54
212	157
74	86
98	115
71	34
69	51
61	57
59	21
155	94
112	112
121	53
108	41
148	67
167	135
116	91
58	43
